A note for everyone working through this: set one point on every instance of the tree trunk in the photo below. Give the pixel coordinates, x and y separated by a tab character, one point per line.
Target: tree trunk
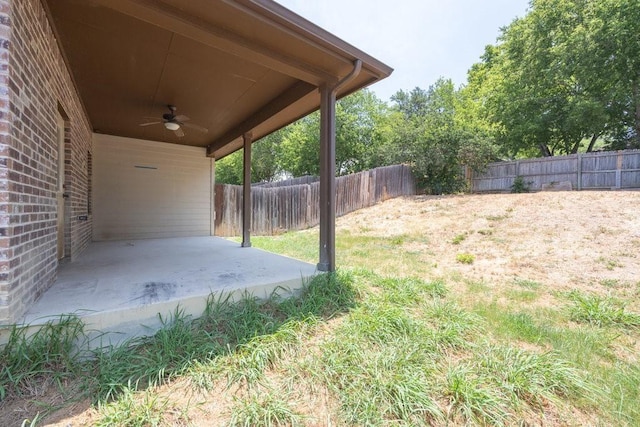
594	138
636	100
544	149
575	147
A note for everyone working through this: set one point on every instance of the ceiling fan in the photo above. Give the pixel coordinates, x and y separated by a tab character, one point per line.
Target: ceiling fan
175	123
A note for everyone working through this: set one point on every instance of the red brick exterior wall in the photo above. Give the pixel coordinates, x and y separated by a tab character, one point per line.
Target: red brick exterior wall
35	86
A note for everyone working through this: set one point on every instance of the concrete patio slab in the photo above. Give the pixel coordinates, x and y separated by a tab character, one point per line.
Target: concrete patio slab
118	288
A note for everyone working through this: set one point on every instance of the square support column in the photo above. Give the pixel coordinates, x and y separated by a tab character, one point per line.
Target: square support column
327	260
246	191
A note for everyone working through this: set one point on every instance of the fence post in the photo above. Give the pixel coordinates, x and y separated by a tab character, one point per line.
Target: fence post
579	171
468	177
619	171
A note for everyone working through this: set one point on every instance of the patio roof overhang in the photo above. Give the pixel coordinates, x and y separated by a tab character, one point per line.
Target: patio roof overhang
234	67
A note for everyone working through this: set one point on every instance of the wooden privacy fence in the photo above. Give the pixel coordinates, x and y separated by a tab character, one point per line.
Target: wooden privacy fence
588	171
308	179
294	207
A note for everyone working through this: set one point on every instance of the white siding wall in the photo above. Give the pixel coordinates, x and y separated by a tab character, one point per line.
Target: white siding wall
146	189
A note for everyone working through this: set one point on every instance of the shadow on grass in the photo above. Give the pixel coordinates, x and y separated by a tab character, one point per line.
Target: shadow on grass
226	327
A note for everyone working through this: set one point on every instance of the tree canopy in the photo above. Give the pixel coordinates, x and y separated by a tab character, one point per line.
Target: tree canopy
563	76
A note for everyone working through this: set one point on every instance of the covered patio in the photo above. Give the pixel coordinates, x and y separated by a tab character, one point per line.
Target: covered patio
118	288
213	74
139	99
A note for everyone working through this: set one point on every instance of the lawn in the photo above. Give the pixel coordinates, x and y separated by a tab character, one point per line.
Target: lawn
460	310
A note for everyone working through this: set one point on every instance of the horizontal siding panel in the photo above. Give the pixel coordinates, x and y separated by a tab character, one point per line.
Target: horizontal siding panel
169	196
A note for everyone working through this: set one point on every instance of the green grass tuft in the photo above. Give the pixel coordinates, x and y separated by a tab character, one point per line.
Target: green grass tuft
471	399
459	239
51	352
600	311
533	377
266	410
133	410
526	283
465	258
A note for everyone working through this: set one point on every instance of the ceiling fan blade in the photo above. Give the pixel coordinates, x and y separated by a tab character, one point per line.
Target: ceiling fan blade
196	127
150	123
181	118
179	133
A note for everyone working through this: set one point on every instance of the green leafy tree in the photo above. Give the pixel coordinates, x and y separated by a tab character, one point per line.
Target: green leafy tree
265	166
300	151
437	138
229	169
562	77
615	31
360	130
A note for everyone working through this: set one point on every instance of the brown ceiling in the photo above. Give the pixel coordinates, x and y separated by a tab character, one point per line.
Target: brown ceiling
231	66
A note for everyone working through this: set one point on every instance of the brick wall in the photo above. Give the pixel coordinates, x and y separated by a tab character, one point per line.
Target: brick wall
36	87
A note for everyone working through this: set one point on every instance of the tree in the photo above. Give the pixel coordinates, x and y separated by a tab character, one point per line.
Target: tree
563	74
360	118
229	169
301	147
433	133
615	30
265	166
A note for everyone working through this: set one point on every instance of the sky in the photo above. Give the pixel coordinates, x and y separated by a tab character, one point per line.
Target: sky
422	40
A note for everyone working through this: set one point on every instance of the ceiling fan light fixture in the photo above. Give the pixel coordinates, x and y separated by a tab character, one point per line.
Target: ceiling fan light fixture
172	125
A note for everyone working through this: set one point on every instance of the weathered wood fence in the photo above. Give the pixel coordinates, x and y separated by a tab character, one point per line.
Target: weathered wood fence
308	179
588	171
294	207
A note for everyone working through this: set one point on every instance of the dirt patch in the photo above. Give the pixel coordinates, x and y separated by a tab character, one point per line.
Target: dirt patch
561	240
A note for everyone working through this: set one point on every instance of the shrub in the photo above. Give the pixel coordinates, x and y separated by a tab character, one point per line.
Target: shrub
520	185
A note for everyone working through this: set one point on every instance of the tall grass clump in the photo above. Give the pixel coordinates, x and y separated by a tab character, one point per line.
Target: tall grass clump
374	382
361	364
50	353
532	377
148	361
471	399
600	311
239	339
267	410
132	410
497	382
409	290
621	381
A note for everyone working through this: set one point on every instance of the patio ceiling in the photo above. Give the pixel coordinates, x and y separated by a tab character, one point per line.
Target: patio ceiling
232	66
